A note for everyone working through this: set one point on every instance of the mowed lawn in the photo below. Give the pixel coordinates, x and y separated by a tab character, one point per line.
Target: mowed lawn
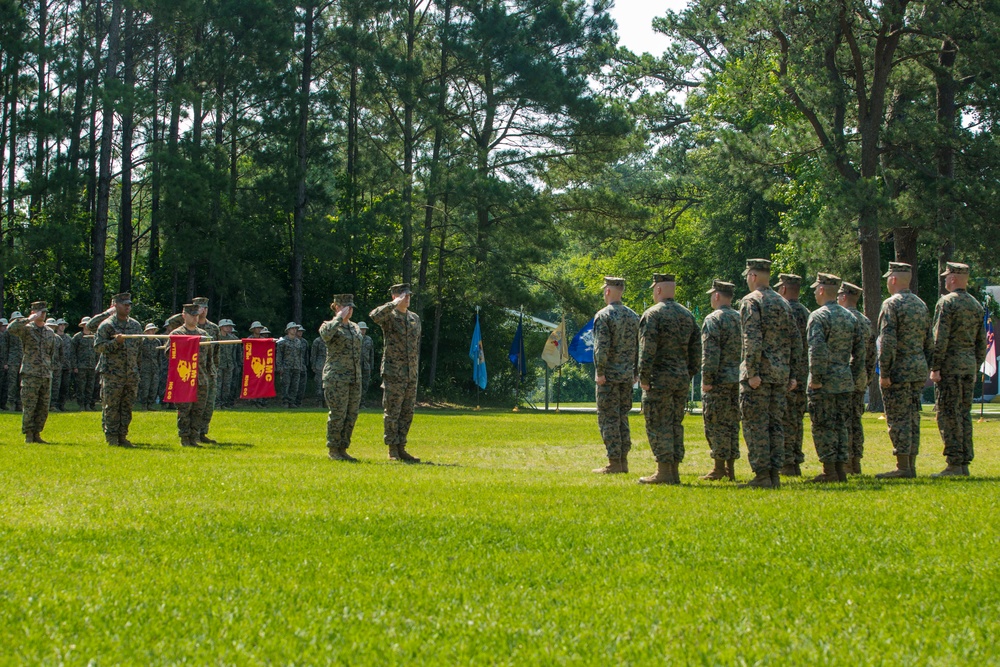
507	550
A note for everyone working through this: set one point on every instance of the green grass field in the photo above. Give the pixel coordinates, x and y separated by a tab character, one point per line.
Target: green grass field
505	551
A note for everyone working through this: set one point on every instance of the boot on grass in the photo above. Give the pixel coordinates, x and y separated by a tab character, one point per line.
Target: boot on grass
719	472
829	474
614	467
902	471
123	441
29	437
731	469
789	470
841	470
775	478
207	440
335	454
344	456
950	471
663	475
625	462
761	480
406	457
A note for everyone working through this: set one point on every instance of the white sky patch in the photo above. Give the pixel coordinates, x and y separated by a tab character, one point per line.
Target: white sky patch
635	23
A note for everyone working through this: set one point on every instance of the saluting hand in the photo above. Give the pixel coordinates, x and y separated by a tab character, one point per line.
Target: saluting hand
885	383
935	376
601	380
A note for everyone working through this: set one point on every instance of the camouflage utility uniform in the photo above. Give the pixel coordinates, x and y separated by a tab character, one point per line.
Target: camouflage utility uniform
119	369
84	360
400	363
721	344
149	372
341	382
616	356
367	364
669	356
317	360
230	357
796	402
15	354
856	448
191	416
38	354
4	347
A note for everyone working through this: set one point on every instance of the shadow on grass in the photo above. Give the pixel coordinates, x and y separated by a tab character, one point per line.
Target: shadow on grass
231	445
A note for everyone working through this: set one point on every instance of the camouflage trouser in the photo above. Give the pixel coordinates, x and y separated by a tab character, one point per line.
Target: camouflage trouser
366	381
117	397
856	448
721	409
3	388
14	387
191	416
301	393
795	412
343	400
954	417
614	402
34	394
398	399
148	382
95	397
54	391
226	379
902	414
318	374
210	396
763	413
290	386
831	430
664	413
85	387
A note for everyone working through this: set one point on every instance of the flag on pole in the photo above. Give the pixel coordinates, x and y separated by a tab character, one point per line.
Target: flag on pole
477	356
582	346
989	367
258	368
516	355
182	371
556	352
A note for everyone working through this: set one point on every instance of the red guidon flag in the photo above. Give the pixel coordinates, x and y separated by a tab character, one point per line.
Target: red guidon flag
182	373
258	368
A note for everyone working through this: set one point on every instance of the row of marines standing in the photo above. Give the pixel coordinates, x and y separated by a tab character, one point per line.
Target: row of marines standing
773	360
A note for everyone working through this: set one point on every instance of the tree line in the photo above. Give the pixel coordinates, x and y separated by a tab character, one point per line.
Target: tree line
270	153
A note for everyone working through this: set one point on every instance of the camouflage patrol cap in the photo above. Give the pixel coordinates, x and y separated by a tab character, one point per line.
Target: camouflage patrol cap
291	325
400	289
151	326
850	289
897	267
827	280
789	279
612	281
757	265
191	309
343	301
957	269
200	301
663	278
39	306
256	325
722	287
362	325
125	298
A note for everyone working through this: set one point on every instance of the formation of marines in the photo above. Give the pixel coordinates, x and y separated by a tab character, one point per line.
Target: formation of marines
768	363
763	365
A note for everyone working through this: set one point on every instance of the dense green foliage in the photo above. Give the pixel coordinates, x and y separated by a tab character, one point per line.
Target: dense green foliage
506	551
270	153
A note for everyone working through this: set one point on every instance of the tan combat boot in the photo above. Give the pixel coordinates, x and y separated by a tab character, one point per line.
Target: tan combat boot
731	469
663	475
841	470
829	474
719	472
776	478
29	437
902	470
762	480
965	469
624	461
393	453
674	470
347	457
913	464
124	441
406	457
334	454
614	467
189	442
112	440
950	471
38	438
789	470
207	440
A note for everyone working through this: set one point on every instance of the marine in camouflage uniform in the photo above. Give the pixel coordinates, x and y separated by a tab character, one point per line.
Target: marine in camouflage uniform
84	362
669	356
191	416
209	366
616	356
317	360
721	346
367	360
848	297
15	354
149	368
65	371
303	348
341	376
400	363
959	351
771	349
836	358
57	363
788	287
118	365
906	348
288	364
4	347
230	357
39	345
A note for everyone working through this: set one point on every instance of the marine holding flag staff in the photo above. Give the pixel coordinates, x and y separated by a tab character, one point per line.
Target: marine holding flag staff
190	414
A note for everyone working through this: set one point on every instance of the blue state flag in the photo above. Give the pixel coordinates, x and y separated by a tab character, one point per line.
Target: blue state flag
516	355
477	356
582	347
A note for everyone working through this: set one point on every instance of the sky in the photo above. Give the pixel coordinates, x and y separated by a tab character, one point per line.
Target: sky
635	19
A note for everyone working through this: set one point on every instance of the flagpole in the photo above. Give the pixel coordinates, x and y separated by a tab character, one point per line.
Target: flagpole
982	401
558	386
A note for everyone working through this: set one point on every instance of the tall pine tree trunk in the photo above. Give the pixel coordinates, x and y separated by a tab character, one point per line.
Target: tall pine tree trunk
99	236
299	215
38	172
128	131
156	165
947	114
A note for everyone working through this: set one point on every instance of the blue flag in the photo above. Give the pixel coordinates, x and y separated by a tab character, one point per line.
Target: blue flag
478	359
582	347
516	355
